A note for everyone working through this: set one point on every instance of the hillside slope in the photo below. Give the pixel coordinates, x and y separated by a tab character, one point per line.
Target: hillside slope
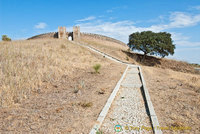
174	86
121	52
49	86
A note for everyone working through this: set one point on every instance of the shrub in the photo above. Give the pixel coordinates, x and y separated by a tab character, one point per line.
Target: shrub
5	38
86	104
99	132
127	58
97	67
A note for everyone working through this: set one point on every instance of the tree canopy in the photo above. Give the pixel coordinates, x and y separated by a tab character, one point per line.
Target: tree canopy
152	43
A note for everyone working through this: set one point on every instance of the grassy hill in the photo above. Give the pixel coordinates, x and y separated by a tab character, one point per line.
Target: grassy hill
174	86
49	85
121	52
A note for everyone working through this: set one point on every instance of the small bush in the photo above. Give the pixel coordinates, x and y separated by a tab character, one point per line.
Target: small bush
86	104
97	67
5	38
127	58
99	132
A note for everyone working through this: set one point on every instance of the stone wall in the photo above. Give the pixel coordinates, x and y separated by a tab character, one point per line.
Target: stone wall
82	35
102	37
62	32
76	33
50	35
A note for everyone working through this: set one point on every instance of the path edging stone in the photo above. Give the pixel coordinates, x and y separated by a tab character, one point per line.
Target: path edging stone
153	117
104	111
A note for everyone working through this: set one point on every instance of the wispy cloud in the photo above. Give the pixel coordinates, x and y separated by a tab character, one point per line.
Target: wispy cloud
109	11
41	25
180	19
196	7
177	20
184	41
121	29
86	19
116	8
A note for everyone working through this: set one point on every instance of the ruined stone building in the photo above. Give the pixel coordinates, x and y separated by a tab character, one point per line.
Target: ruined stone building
75	35
63	34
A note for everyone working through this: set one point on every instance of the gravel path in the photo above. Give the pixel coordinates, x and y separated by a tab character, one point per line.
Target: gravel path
128	109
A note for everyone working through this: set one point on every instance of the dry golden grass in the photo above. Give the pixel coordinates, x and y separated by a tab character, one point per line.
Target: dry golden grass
174	86
26	65
175	96
121	52
49	86
109	47
187	78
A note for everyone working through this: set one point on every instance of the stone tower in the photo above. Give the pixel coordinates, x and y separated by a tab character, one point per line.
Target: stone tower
62	32
76	33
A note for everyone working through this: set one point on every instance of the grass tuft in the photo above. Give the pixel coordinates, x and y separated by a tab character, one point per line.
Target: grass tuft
97	68
86	104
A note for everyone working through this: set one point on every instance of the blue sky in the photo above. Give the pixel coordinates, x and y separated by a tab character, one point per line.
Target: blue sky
20	19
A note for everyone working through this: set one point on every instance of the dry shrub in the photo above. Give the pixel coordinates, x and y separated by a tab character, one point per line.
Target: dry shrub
86	104
112	48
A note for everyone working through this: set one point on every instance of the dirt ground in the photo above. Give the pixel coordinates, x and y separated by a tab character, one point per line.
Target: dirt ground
174	87
176	99
69	102
50	86
108	47
122	52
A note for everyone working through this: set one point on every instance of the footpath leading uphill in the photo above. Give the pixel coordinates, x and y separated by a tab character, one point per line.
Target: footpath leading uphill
129	108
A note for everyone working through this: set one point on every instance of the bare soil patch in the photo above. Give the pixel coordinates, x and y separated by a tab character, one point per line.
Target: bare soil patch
176	98
108	47
122	52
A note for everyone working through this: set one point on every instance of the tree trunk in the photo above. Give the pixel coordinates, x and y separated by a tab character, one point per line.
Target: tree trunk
143	58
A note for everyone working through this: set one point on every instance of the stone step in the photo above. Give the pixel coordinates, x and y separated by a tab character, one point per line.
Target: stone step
133	71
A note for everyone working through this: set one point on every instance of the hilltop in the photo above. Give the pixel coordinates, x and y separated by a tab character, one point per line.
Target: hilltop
49	84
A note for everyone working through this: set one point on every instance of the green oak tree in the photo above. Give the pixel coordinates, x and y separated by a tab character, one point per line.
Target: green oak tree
152	43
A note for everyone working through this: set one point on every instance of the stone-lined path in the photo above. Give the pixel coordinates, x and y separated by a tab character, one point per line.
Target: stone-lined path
128	108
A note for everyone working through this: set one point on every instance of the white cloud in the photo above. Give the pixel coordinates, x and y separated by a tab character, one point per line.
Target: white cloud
177	20
86	19
41	25
187	43
196	7
181	40
179	36
180	19
122	29
119	30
